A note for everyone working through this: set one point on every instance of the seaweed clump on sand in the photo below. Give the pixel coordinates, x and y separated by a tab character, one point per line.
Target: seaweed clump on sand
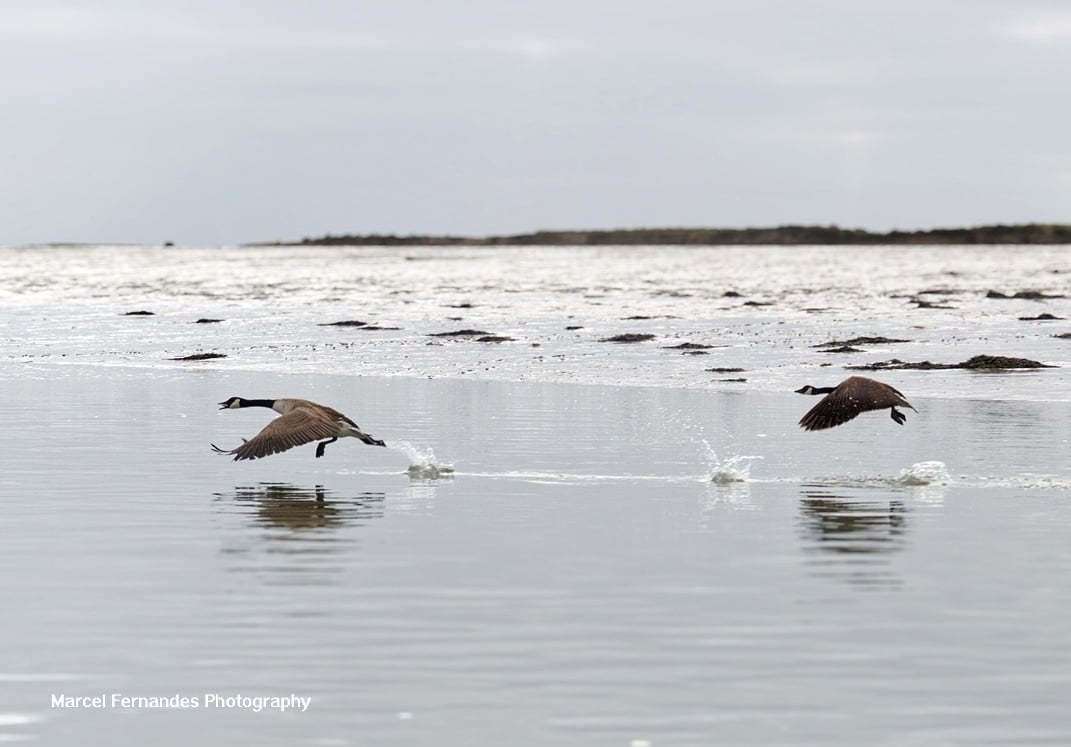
199	357
688	346
1025	295
629	337
986	362
977	363
859	341
922	303
1041	318
462	333
206	320
140	313
843	349
345	323
494	338
939	292
1063	336
725	370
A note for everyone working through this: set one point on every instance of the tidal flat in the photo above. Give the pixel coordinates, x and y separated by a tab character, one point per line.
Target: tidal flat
568	541
605	565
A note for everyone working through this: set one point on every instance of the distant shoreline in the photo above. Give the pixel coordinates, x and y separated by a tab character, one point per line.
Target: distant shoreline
1025	233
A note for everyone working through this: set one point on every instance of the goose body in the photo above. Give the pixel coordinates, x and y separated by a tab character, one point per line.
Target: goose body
300	422
853	396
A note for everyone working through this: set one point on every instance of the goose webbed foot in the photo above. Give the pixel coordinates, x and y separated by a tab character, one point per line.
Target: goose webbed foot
898	416
323	445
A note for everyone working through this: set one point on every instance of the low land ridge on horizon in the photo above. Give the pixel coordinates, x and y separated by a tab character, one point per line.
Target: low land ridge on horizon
1023	233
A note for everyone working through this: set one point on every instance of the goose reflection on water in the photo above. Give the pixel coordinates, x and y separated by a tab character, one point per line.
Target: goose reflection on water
302	510
854	539
296	535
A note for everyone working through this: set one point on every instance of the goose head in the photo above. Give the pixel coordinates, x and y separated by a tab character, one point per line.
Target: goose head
232	403
808	389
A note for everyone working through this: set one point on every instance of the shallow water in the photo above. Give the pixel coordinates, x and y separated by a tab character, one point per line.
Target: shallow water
579	579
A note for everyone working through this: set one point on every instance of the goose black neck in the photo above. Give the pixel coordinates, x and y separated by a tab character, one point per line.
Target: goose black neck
269	403
824	390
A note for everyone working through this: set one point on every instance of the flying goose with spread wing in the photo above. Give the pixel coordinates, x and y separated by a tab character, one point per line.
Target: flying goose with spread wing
300	422
853	396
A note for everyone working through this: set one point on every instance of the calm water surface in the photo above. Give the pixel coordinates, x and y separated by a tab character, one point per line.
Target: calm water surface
580	580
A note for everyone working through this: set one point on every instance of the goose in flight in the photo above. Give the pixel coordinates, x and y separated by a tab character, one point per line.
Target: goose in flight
853	396
300	422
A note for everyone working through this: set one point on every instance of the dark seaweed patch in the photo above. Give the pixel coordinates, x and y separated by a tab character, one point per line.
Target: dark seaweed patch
859	341
689	346
461	333
977	363
199	357
1028	295
1041	318
630	337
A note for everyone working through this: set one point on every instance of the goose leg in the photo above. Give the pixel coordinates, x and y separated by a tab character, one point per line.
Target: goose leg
323	445
898	416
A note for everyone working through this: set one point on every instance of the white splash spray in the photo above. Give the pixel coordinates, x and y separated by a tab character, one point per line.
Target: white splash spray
422	462
730	470
924	473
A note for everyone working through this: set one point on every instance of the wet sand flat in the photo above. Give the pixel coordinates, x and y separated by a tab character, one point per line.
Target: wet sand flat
542	311
580	579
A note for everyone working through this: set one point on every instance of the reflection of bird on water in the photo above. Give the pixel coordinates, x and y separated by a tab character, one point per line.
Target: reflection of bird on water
844	526
299	509
853	538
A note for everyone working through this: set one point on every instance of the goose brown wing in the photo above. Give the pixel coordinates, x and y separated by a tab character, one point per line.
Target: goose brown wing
285	432
848	400
893	397
829	413
876	394
336	415
328	413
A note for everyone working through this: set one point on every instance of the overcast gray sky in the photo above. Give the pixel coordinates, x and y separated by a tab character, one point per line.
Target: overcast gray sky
215	121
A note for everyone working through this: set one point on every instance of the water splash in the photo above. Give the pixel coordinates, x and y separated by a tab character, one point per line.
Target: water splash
920	474
422	462
924	473
734	469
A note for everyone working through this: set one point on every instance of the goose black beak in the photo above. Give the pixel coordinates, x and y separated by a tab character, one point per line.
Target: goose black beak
801	390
